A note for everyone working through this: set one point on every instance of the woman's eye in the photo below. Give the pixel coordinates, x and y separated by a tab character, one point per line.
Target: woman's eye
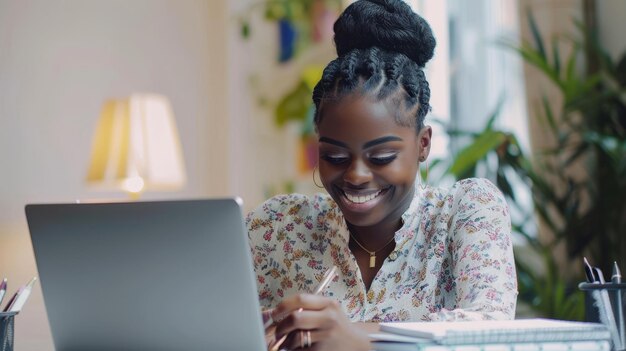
335	159
383	159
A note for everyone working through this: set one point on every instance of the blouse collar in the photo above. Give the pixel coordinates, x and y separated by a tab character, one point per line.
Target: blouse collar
411	212
408	217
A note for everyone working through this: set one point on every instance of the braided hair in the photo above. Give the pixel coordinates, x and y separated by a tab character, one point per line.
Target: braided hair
382	47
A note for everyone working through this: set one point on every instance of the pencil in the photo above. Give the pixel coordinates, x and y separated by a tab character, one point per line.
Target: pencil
326	279
616	278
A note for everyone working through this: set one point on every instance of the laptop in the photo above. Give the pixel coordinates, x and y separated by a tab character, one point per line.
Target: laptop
161	275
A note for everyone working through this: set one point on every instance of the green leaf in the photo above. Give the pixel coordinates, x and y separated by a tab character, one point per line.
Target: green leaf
503	184
245	29
294	106
536	36
556	57
276	10
312	74
535	58
580	150
435	163
495	113
478	150
548	115
570	70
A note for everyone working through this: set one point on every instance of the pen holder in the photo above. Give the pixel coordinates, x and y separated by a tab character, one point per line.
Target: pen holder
7	320
616	295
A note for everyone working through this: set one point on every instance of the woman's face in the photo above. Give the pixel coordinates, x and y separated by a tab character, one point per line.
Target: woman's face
367	161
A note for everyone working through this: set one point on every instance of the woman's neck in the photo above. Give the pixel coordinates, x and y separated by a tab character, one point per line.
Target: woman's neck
374	237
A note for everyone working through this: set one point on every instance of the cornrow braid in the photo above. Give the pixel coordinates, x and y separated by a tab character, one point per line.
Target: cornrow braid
383	47
381	74
348	72
326	83
374	71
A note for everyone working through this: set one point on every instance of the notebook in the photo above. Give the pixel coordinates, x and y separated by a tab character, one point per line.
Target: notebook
598	345
510	331
163	275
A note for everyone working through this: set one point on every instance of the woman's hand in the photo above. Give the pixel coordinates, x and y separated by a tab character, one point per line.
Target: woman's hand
270	329
319	322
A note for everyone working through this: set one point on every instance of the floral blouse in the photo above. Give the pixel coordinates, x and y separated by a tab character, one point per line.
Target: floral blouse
453	258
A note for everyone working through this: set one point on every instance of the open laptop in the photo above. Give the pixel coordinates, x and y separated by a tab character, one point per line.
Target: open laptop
163	275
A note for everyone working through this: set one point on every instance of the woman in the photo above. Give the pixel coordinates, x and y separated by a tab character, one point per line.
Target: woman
404	252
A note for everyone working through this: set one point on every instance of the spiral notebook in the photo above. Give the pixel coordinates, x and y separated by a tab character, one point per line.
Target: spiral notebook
512	331
599	345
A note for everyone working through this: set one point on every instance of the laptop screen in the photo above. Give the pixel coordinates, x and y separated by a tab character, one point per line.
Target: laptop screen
159	275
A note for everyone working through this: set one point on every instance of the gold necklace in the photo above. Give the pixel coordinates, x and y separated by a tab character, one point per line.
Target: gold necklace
372	253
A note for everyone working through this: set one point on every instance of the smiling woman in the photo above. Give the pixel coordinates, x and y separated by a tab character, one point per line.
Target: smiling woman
404	252
377	158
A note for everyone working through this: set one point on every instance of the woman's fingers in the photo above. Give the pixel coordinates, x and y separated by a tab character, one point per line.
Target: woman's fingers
301	301
304	339
313	322
267	316
306	320
326	319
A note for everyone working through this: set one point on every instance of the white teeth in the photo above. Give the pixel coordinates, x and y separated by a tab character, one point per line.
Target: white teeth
362	199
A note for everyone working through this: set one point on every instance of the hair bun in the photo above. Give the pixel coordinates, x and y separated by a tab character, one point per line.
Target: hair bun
390	25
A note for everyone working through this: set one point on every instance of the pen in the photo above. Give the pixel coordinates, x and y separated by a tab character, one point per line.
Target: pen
326	279
595	276
19	298
616	278
11	300
599	275
22	296
3	289
589	271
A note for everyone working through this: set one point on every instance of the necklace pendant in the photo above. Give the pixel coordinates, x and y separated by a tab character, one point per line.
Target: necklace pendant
372	260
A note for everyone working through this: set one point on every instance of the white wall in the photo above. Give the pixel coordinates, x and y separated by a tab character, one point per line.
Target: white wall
265	155
59	60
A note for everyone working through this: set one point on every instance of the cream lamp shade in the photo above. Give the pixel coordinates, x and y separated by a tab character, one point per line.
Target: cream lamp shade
136	146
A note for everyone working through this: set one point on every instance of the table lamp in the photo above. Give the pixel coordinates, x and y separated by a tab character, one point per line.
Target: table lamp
136	146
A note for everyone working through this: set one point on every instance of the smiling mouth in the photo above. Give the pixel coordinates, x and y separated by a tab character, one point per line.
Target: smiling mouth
360	198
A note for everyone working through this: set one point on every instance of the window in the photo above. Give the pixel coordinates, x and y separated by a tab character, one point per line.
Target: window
471	72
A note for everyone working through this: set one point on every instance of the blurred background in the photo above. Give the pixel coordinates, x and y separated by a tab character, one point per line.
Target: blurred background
163	99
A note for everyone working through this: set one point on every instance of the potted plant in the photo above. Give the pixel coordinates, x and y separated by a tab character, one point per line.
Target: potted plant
586	215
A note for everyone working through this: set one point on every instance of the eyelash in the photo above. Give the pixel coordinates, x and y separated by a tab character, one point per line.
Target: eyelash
383	160
337	160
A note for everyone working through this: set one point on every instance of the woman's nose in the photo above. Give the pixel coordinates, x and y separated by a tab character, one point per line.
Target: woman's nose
357	173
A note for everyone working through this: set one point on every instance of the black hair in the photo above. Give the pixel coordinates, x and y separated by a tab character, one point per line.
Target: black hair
382	47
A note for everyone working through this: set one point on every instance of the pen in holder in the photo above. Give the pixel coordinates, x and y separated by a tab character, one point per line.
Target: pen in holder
7	320
613	314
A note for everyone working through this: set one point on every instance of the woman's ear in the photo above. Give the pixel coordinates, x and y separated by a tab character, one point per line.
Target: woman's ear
423	139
